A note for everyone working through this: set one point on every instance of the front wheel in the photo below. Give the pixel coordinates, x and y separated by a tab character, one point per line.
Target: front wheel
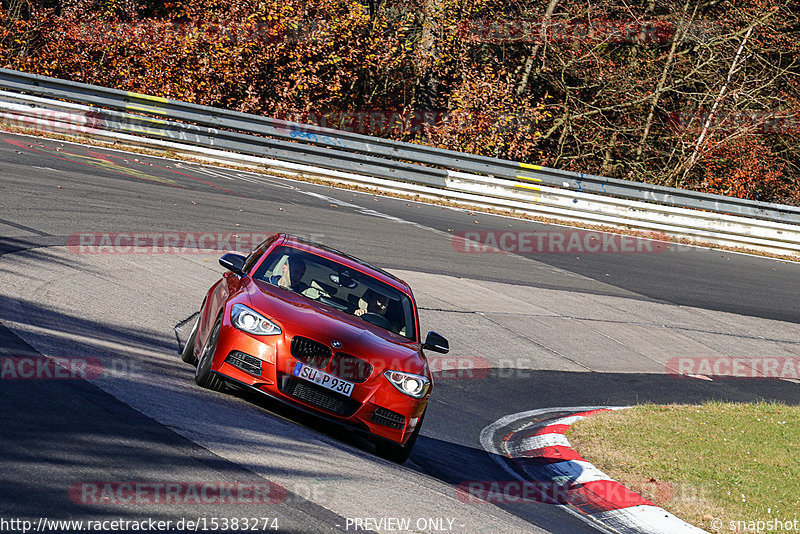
203	376
395	452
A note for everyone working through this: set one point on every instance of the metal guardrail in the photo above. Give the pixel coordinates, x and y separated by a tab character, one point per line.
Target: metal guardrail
344	151
365	161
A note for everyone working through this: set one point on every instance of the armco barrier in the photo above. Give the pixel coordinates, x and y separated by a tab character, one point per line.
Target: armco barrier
52	104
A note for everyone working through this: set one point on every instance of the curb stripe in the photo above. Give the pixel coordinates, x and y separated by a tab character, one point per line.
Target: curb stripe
569	472
557	452
552	429
603	495
544	454
657	521
541	441
590	412
566	421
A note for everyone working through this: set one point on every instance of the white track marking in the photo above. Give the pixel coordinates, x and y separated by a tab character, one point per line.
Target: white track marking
642	518
487	442
540	441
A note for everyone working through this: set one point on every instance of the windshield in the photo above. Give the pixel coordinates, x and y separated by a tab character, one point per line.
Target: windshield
336	285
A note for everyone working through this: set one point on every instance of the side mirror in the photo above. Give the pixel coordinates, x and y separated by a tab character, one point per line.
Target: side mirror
436	343
233	262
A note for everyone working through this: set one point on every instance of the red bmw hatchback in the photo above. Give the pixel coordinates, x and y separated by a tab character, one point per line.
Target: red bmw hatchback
323	331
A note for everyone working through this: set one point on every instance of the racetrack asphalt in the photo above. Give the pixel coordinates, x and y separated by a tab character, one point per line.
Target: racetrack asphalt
552	329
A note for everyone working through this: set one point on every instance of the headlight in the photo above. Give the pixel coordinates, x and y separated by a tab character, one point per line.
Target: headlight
252	322
412	385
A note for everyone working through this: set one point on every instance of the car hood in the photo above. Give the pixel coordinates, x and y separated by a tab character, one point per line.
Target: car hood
298	315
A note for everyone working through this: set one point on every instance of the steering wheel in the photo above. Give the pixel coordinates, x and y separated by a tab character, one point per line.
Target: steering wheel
377	320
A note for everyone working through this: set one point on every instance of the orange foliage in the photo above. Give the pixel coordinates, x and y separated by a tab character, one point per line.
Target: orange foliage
578	96
746	168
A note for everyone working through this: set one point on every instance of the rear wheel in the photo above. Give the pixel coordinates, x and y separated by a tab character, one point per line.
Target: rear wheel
203	376
395	452
188	350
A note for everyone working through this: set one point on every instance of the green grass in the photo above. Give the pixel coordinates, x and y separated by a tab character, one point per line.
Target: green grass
709	465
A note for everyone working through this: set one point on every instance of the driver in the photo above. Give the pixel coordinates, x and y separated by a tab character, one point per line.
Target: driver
292	272
373	302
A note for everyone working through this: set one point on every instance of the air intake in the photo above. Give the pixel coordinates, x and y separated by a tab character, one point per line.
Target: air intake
245	362
385	417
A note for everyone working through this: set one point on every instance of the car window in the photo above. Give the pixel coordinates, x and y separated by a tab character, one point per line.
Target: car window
256	254
335	285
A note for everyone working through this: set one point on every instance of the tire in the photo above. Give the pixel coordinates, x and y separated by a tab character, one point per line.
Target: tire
188	350
394	452
203	376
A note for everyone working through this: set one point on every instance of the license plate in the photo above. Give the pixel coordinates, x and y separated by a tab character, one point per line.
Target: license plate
323	379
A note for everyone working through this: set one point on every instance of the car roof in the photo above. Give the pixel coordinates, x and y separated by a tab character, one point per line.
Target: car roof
346	259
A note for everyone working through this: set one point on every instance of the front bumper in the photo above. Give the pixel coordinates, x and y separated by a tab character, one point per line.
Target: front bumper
266	364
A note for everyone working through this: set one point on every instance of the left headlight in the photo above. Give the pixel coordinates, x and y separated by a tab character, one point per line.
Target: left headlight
252	322
412	385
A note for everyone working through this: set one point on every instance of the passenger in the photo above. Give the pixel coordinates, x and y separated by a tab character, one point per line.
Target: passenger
292	271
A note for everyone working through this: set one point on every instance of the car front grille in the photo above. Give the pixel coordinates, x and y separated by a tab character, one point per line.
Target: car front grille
245	362
350	368
319	396
311	352
385	417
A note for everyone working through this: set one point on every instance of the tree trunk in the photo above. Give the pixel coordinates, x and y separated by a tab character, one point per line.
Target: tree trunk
715	106
426	91
526	72
660	87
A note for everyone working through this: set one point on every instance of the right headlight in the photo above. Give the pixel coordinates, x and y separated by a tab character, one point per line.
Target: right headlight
412	385
252	322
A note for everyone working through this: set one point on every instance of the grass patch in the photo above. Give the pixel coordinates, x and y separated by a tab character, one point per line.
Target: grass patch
712	465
